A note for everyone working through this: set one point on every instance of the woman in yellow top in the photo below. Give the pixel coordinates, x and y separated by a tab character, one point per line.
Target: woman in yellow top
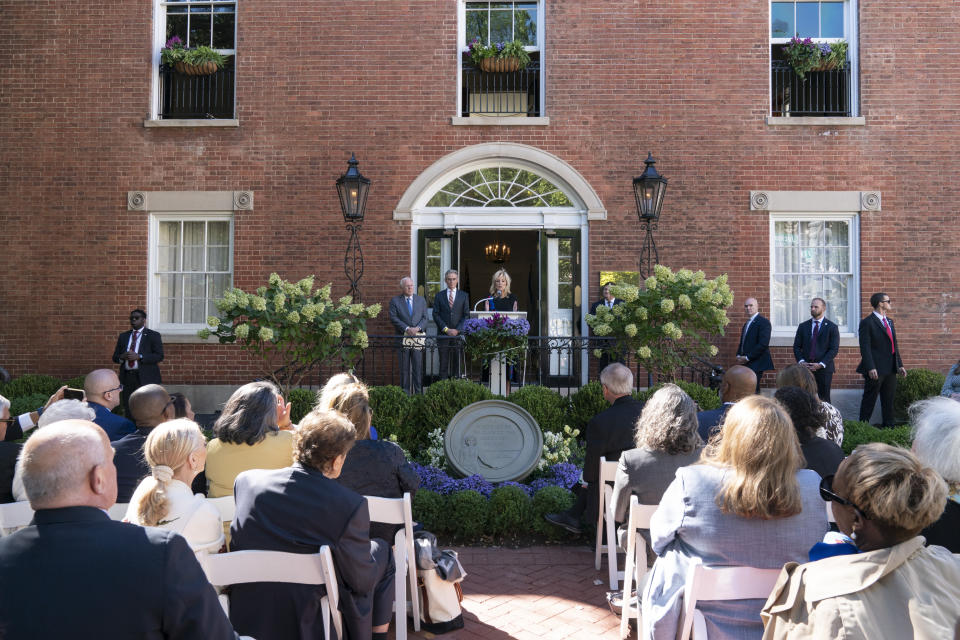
253	432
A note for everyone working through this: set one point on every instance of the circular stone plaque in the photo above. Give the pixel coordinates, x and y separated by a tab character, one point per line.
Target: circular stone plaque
495	438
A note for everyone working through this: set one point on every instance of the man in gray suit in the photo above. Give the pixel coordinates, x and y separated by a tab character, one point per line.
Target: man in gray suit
408	313
450	310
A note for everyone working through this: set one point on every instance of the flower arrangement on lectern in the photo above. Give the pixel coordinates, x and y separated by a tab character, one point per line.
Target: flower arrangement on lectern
668	321
496	336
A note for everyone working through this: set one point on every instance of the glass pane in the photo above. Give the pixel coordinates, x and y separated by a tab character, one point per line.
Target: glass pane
476	25
432	290
811	287
835	292
216	285
501	26
525	23
433	271
169	233
168	286
564	246
838	260
831	20
200	19
785	260
176	23
808	19
193	259
785	287
218	233
781	23
786	233
433	247
168	258
564	296
223	28
193	286
441	199
811	260
811	234
507	174
565	270
169	310
836	233
218	259
193	233
195	310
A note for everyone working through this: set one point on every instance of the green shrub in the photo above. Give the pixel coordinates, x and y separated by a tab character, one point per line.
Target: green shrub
586	403
75	382
467	514
856	433
706	399
550	500
546	406
392	409
33	383
444	399
430	509
302	401
27	403
917	385
509	511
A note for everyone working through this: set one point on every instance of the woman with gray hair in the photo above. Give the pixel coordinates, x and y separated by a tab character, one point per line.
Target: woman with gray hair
253	432
936	441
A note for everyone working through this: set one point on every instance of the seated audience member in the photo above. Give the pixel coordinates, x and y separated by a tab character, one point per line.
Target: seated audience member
608	434
951	385
325	397
797	375
748	503
936	441
19	425
253	432
108	579
739	382
891	586
176	452
299	509
182	407
808	417
59	410
666	439
102	389
373	467
150	405
8	453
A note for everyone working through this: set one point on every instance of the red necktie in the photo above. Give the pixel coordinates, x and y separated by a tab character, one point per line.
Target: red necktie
813	342
133	347
889	334
450	298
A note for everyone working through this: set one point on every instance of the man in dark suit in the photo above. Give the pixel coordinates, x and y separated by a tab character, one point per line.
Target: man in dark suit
451	307
149	405
816	345
606	300
408	313
102	390
8	451
880	361
754	349
137	352
298	510
108	579
608	434
738	383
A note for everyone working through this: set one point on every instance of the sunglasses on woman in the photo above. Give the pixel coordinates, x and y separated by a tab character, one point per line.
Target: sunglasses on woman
826	492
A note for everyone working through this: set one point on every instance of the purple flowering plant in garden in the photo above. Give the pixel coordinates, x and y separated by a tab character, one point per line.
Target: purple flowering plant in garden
564	475
496	335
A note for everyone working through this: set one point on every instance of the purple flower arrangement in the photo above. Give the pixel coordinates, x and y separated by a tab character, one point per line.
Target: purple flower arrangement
806	55
496	334
563	475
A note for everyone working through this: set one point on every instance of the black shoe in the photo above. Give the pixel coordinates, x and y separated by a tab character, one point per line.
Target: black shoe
565	520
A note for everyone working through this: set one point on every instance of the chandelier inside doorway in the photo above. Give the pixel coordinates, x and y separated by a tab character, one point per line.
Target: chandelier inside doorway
497	252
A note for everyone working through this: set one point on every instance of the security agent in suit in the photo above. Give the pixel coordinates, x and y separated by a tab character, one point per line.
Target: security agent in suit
107	579
754	349
816	345
879	360
608	300
449	319
408	313
137	352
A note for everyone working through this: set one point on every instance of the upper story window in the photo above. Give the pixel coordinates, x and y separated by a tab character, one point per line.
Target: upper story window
501	90
182	93
828	89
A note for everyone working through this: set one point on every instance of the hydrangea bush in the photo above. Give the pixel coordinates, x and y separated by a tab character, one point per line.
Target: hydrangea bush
668	321
292	327
496	335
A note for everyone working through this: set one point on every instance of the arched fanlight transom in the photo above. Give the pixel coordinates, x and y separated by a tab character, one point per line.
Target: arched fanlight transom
500	186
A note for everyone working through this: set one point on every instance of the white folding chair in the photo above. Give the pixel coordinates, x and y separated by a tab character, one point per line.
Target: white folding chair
226	506
639	518
399	511
240	567
608	473
13	516
722	583
118	511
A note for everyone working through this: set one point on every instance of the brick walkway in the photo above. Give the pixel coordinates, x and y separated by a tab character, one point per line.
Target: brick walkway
536	593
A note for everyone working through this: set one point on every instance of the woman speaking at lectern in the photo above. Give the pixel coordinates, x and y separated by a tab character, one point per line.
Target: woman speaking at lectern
501	298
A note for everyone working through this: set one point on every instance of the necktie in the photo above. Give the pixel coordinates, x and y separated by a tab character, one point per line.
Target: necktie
450	298
813	342
410	306
889	333
609	304
133	347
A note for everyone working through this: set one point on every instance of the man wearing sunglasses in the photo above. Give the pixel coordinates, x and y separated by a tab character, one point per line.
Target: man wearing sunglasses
138	352
102	390
150	405
880	361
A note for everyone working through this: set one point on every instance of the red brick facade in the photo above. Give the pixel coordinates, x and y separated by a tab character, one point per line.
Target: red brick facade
319	80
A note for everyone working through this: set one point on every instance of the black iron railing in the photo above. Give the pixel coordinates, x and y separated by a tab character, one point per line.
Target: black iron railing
514	93
820	93
196	97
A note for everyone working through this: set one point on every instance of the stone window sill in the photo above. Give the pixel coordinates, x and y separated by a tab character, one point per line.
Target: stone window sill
787	341
857	121
190	123
496	121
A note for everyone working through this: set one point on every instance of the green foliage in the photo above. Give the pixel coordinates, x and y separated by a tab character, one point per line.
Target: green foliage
174	52
392	412
509	511
430	509
669	321
75	382
917	385
705	398
467	514
302	401
550	500
586	403
546	406
27	403
292	328
29	384
514	49
806	55
443	399
856	433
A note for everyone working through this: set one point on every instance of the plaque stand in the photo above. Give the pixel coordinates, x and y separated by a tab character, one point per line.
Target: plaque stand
499	371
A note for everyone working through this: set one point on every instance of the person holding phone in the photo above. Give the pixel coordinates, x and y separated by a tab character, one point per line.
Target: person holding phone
138	352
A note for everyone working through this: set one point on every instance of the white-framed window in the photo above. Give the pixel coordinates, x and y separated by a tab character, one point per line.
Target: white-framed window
191	265
502	94
826	92
814	256
209	23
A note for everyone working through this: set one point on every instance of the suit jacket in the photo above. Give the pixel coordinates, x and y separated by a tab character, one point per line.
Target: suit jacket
827	347
115	426
593	307
610	433
708	421
756	345
131	466
298	510
9	452
107	579
875	347
150	350
400	315
446	316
